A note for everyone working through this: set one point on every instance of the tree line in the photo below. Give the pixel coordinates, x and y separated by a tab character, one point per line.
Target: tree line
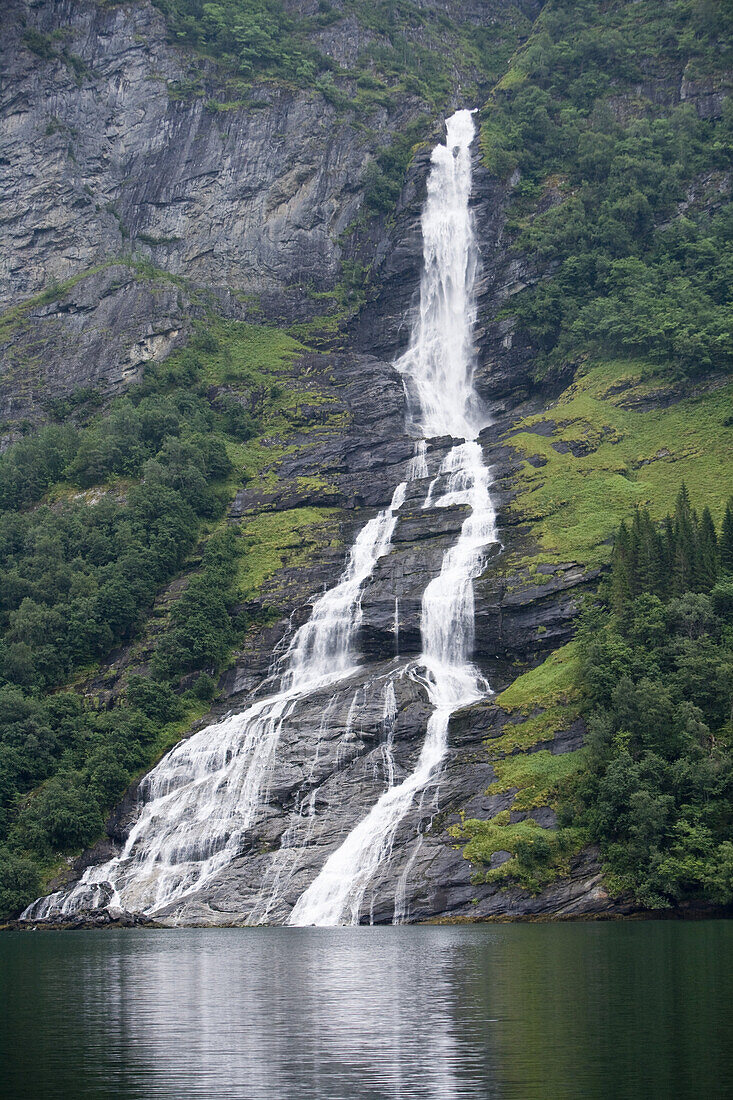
657	677
684	554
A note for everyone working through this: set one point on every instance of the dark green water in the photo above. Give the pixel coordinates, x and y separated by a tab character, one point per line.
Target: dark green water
582	1010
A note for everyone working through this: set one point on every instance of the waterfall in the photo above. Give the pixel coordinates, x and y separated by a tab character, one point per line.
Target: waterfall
201	799
438	373
438	365
201	802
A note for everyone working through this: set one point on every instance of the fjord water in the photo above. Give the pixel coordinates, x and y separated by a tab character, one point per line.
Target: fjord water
526	1012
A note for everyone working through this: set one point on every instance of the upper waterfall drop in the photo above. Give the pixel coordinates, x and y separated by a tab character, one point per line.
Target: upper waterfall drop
437	367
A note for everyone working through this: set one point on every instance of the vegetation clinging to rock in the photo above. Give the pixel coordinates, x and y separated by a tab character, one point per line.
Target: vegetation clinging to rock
620	202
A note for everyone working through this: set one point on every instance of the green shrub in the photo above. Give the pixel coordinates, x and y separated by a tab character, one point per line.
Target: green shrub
61	817
19	883
155	699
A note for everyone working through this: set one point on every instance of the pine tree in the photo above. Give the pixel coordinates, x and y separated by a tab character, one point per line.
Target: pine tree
684	556
726	539
668	555
649	556
621	571
705	567
684	543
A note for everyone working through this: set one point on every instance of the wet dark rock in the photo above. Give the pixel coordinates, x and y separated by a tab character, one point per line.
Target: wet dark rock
544	816
244	209
582	893
544	428
578	448
430	523
570	739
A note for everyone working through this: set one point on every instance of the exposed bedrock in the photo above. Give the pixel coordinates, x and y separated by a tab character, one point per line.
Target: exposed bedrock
252	203
98	337
121	158
336	757
111	156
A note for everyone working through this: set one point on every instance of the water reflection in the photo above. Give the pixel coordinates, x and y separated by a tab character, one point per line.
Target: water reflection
354	1014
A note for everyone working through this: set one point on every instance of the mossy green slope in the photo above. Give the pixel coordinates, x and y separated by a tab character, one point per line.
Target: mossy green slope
625	455
540	704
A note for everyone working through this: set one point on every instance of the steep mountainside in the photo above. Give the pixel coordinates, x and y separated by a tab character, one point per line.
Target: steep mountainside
224	225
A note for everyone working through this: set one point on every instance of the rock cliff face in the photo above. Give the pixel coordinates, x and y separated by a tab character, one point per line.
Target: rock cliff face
103	158
129	209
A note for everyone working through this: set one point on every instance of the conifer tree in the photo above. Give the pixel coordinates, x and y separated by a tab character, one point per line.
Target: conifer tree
684	543
705	566
668	555
684	555
726	539
648	555
621	570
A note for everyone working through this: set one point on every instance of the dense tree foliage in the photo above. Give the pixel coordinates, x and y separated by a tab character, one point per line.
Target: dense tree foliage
79	571
77	579
657	660
408	48
257	37
620	198
683	555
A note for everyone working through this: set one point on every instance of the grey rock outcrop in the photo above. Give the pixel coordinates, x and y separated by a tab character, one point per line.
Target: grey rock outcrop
114	160
158	207
97	336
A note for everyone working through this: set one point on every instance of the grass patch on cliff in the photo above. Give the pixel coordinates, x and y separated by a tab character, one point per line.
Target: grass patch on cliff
552	682
532	731
277	539
538	775
239	352
538	856
547	701
552	690
266	394
14	317
24	363
574	502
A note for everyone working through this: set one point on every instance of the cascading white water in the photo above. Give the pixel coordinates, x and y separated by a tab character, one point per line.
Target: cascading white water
337	894
438	370
201	800
438	365
203	796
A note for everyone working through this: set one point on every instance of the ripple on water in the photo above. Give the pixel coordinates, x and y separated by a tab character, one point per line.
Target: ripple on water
425	1013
